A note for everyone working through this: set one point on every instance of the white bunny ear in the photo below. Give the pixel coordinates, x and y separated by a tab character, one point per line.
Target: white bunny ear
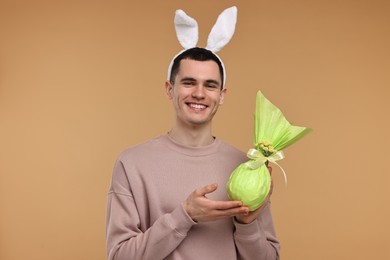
223	30
186	29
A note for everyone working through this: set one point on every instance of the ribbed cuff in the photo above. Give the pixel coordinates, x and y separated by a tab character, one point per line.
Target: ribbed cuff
180	221
249	231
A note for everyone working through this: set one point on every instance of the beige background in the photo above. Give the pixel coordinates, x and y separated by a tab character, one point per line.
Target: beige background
80	81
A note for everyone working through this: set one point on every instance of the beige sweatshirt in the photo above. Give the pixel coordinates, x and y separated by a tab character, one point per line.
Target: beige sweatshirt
145	219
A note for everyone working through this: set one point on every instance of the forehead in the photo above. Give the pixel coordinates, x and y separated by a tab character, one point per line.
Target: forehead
200	70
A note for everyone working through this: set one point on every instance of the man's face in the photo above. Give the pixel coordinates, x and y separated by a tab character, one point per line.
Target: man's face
196	93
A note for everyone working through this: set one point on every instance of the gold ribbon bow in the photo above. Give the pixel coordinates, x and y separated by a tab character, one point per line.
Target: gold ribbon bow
257	159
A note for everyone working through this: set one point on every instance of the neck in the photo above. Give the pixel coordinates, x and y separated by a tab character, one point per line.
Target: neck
194	137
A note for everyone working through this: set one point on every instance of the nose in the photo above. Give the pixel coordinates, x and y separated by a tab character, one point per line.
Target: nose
199	91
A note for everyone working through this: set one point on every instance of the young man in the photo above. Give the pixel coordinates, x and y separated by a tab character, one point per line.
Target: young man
168	199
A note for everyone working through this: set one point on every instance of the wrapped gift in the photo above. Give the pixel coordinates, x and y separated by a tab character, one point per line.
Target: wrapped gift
250	182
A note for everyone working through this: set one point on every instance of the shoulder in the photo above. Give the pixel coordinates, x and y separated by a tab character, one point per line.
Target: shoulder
230	151
141	150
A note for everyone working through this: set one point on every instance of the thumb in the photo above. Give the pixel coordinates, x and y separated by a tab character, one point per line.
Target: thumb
208	189
269	169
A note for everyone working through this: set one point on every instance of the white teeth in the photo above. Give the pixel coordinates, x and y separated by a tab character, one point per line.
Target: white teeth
197	106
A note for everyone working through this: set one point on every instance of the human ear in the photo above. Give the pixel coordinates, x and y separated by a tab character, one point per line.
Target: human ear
168	89
222	96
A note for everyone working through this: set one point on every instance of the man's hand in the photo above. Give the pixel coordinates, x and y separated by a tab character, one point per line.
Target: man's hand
200	208
248	218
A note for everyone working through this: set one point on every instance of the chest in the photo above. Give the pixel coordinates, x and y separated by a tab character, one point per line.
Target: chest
159	186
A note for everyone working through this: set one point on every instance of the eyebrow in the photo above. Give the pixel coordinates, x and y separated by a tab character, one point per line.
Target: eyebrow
187	79
209	81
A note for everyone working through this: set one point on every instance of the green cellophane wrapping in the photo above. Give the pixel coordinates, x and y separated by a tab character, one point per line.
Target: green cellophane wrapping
249	184
272	126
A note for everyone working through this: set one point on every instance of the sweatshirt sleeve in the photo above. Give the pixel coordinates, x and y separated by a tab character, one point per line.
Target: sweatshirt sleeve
257	240
124	238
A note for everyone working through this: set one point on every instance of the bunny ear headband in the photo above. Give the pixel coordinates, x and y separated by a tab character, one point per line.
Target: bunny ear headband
221	33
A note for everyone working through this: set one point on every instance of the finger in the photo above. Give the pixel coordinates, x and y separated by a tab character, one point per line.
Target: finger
226	205
272	188
222	213
243	211
207	189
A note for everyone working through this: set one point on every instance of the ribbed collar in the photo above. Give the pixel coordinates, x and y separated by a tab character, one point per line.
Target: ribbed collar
188	150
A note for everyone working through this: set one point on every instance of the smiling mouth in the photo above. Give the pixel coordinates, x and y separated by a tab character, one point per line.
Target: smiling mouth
197	106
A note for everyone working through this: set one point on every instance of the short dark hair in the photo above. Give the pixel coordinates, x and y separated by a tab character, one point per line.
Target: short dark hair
198	54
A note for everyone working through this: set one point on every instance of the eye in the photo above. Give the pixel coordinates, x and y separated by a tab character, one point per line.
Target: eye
212	86
188	83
